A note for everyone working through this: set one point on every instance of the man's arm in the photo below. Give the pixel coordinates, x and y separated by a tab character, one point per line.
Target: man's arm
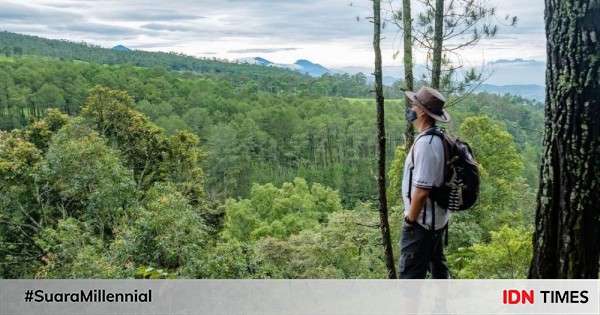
418	198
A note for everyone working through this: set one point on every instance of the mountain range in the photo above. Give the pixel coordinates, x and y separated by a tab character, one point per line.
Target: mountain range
301	65
121	48
519	77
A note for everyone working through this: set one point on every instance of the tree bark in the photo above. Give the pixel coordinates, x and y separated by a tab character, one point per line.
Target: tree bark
567	227
409	134
436	63
383	210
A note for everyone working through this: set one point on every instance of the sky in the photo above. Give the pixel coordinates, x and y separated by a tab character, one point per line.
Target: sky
333	33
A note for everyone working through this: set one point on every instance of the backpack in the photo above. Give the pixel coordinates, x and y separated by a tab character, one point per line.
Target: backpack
460	189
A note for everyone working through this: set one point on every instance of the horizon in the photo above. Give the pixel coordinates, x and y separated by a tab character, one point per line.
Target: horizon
332	33
501	72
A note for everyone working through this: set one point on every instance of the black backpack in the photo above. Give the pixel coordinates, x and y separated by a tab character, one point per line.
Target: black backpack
460	189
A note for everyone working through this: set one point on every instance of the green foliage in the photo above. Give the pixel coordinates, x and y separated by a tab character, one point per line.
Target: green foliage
71	250
505	197
249	78
346	247
233	171
152	273
71	206
506	256
395	174
40	132
493	147
230	259
19	217
279	212
148	151
167	232
85	179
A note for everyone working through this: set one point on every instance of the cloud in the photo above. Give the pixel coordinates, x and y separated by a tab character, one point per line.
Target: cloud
327	31
168	27
143	14
26	14
516	61
261	50
97	29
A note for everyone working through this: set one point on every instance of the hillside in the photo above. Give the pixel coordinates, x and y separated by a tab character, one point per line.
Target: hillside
270	79
292	133
530	91
116	159
33	45
302	65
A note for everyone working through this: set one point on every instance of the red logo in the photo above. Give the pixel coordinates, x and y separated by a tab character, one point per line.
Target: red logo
517	297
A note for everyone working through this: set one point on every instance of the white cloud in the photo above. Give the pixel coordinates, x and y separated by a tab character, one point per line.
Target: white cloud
324	32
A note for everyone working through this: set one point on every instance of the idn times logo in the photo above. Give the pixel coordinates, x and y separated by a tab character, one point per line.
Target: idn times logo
513	296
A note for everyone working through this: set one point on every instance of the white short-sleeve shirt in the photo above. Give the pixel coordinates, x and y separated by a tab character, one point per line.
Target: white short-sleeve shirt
427	172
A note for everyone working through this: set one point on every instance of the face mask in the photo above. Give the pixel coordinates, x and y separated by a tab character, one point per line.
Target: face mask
410	115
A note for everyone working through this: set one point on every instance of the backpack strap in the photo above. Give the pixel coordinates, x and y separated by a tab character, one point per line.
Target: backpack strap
438	132
432	213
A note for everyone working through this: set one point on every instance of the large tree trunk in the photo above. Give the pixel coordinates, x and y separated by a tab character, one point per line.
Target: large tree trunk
436	63
567	233
383	210
409	135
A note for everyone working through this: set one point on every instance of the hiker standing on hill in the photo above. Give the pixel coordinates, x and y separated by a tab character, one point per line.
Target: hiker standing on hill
425	221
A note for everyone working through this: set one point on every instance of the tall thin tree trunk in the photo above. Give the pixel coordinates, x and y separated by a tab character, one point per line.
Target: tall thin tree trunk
408	68
567	232
436	63
383	210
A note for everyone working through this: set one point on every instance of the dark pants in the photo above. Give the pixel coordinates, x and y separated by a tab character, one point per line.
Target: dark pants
422	250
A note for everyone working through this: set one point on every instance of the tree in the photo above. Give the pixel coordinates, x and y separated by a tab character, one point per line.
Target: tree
408	68
279	212
383	209
84	178
406	16
72	251
504	197
504	257
47	96
443	28
567	234
167	232
20	216
347	246
436	63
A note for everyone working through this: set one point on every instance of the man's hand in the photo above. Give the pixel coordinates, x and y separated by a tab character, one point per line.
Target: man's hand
418	198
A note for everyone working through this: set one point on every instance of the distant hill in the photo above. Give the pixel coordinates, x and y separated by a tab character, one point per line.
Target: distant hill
394	73
530	91
250	75
64	49
302	65
121	48
310	68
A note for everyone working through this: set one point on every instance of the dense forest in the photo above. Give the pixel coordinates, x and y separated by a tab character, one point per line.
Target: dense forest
254	77
139	164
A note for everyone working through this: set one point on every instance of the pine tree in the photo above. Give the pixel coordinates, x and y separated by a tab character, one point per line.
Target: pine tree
408	67
567	234
383	209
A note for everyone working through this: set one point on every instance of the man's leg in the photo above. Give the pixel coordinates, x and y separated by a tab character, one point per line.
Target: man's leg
415	252
439	266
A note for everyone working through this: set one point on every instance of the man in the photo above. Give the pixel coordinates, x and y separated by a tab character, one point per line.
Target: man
422	246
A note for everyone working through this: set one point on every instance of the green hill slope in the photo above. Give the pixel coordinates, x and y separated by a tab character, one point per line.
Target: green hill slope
270	79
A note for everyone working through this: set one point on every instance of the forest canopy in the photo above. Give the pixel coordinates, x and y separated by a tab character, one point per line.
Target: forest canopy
115	168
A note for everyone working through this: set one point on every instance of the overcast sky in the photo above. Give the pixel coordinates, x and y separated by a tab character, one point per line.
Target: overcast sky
323	31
